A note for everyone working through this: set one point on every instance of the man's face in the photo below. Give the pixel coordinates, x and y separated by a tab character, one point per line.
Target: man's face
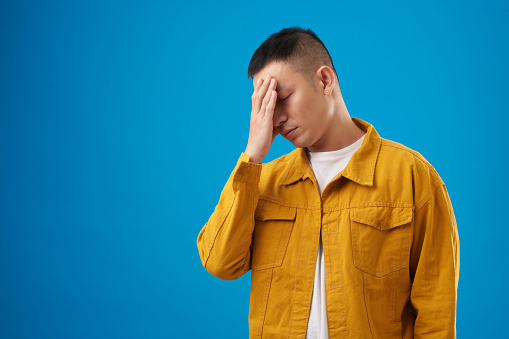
299	106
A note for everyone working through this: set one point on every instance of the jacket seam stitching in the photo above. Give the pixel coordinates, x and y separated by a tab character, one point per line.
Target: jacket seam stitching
246	181
419	156
335	208
268	282
427	198
290	167
219	229
296	285
365	304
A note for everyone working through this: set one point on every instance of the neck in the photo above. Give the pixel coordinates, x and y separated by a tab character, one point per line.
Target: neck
342	131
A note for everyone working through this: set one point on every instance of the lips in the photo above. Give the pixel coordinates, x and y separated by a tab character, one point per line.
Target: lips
286	131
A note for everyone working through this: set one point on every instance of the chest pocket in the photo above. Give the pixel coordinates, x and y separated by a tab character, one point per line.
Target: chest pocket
381	238
273	226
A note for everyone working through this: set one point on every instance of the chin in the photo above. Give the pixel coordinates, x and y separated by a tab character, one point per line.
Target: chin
298	144
299	141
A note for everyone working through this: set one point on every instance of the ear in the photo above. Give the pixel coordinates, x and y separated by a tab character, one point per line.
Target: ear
326	78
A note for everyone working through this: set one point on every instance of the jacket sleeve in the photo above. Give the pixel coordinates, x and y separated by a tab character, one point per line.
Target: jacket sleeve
225	240
434	267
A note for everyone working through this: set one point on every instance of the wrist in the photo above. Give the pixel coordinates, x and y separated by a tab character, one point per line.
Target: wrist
254	158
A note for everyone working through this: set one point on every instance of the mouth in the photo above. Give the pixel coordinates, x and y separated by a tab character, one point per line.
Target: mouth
285	134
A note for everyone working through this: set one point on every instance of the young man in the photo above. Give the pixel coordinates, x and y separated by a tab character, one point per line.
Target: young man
348	236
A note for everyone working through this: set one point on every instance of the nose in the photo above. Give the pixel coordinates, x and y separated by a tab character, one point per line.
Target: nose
279	117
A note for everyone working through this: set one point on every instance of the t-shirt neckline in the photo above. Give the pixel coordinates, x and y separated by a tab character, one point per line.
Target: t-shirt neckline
337	153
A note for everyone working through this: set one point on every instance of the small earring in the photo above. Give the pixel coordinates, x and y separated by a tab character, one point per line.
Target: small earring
326	92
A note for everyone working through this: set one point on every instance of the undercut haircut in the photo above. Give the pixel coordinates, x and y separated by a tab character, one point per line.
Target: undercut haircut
300	48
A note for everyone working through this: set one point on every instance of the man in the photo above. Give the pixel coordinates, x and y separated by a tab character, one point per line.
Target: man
348	236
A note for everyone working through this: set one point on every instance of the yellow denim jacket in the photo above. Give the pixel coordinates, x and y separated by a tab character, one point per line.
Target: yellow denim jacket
389	236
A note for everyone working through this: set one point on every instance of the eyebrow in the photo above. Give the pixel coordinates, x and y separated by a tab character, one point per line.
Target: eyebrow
280	88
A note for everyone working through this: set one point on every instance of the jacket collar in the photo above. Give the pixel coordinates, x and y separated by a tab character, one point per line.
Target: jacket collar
360	168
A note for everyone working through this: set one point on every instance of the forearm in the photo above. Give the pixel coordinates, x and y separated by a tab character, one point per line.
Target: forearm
224	242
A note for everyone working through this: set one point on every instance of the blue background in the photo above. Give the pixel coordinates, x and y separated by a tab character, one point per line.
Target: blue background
120	122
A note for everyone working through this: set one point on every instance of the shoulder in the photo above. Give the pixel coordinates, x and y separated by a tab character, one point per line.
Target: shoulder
279	165
274	173
283	160
395	152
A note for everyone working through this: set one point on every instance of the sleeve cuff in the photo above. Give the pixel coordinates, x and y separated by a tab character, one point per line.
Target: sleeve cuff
247	171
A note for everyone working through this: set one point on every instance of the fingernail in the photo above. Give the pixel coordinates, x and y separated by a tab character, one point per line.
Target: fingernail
267	78
259	80
272	81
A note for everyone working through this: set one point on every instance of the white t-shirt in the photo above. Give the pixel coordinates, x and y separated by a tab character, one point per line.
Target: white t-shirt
325	166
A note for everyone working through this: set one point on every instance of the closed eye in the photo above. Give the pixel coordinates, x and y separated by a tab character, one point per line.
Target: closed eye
285	98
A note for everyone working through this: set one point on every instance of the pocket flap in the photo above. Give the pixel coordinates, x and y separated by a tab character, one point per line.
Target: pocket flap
382	217
270	211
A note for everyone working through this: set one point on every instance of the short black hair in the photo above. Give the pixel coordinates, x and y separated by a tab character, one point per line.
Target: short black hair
301	48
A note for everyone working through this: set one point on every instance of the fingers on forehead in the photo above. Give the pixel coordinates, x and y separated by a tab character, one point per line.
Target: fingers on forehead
262	77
